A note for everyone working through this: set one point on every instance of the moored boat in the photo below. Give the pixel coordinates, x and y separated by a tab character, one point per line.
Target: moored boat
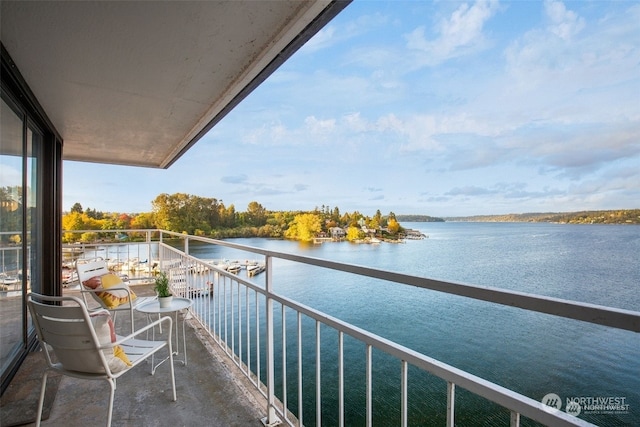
254	269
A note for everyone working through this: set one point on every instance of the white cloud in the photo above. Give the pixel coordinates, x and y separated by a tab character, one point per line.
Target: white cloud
319	127
323	39
564	23
335	34
461	33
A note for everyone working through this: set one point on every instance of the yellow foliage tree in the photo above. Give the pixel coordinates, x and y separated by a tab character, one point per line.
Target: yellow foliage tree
354	233
393	226
304	227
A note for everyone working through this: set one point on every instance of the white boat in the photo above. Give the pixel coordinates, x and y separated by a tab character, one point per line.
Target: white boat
233	267
253	269
9	282
6	279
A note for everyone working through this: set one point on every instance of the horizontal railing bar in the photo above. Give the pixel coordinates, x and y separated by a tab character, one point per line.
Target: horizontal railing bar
504	397
586	312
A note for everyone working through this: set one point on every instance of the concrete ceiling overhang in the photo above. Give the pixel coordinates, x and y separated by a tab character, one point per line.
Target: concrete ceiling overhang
139	82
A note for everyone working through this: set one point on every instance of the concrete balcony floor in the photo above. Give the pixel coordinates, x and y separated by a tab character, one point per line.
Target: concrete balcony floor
209	389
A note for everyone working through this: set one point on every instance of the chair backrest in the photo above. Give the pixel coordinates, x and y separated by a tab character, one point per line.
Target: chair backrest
69	331
86	270
90	268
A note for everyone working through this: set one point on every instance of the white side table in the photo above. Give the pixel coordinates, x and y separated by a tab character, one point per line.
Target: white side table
177	304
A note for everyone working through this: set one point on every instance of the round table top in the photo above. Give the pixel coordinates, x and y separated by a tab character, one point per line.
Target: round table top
154	306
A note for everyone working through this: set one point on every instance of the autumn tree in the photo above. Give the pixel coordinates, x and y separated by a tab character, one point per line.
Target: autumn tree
304	227
354	233
377	217
143	221
79	221
393	226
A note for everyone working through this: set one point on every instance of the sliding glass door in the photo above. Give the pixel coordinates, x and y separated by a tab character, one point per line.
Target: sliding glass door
12	233
20	232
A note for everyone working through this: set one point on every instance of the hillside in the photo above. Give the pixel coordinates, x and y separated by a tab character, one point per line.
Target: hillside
418	218
623	216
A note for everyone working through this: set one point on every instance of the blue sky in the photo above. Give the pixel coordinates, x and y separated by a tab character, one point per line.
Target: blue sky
440	108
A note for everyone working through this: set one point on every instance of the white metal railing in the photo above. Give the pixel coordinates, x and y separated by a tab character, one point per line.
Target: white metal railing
241	316
130	253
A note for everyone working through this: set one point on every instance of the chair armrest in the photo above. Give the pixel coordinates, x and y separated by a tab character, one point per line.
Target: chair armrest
121	339
98	290
94	293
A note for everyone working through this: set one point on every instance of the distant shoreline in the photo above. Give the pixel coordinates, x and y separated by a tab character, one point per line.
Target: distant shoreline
619	216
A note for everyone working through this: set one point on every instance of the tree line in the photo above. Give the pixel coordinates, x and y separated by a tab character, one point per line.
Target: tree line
209	217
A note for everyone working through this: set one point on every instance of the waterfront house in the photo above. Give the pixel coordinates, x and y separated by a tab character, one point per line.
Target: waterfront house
337	233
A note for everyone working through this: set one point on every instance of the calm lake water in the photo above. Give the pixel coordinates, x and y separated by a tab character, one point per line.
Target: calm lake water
534	354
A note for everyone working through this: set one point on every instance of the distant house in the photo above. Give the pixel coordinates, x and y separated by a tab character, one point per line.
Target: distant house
369	231
337	233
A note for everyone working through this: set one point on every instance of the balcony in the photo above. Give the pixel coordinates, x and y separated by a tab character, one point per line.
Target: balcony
258	354
209	392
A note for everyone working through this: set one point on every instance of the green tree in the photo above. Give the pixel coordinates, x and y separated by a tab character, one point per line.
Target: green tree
228	216
92	213
10	211
256	214
335	216
77	207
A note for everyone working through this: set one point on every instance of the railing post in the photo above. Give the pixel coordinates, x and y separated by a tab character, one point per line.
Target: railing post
369	404
271	419
515	419
340	379
147	237
318	377
161	252
404	416
451	404
300	397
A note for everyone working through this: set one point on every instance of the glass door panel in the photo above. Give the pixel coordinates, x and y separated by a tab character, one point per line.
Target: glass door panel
12	232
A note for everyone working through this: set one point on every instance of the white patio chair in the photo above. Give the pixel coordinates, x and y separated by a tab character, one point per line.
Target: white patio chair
83	343
88	269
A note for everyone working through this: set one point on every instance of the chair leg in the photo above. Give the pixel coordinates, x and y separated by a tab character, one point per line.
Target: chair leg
41	399
173	377
131	313
112	384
